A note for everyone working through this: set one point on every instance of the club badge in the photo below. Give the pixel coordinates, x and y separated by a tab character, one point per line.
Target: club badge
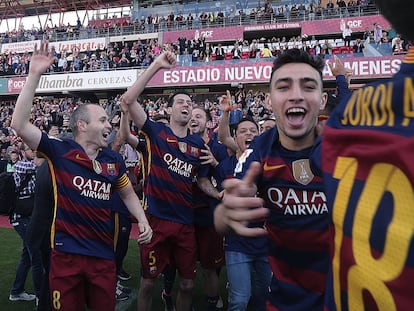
97	166
302	172
182	146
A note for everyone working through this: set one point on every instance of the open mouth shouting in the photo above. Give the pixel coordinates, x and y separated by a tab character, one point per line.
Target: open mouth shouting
296	116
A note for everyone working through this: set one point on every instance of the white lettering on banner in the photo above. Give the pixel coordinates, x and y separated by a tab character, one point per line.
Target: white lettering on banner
82	45
273	26
192	75
16	84
19	47
354	23
249	73
207	34
87	80
378	67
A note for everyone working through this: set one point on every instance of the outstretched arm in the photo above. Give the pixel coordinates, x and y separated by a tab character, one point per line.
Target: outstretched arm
41	60
125	131
342	76
223	129
129	98
239	206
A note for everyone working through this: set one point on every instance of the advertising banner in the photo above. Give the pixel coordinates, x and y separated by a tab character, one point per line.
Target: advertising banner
81	45
3	85
228	72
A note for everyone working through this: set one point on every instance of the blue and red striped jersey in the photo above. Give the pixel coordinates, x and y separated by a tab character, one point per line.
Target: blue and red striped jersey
83	190
174	165
298	223
367	148
204	204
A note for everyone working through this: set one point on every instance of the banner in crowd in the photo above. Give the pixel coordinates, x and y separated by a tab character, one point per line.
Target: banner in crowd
213	73
259	72
80	45
319	27
101	80
333	26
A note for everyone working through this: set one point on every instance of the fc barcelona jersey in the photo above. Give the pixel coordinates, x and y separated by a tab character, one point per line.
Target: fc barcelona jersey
83	190
174	164
368	148
298	224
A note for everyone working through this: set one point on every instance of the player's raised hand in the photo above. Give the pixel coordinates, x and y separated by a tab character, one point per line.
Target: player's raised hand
166	60
225	102
239	207
41	59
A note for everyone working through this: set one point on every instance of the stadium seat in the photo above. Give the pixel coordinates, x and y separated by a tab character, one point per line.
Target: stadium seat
228	55
336	50
245	55
213	56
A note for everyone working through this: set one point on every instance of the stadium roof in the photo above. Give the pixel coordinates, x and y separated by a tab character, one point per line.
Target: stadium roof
22	8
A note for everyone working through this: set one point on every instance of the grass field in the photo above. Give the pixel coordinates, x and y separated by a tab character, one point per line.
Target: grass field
10	248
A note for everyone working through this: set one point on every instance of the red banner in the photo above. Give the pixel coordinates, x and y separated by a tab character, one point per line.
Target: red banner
15	85
332	26
228	72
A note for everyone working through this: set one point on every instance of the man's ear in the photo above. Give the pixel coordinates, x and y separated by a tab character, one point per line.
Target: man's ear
81	125
324	99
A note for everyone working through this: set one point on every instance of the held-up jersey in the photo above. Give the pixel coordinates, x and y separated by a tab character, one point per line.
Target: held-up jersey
174	165
298	223
368	148
83	188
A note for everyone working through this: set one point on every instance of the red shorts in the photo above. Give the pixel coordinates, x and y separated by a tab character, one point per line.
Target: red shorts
77	280
172	243
210	250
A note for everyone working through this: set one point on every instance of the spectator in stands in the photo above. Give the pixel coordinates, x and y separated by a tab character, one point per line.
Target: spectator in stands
219	51
266	52
377	34
347	35
398	47
359	46
326	48
236	51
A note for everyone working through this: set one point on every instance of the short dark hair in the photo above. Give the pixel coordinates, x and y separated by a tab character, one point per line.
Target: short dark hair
245	119
171	99
298	56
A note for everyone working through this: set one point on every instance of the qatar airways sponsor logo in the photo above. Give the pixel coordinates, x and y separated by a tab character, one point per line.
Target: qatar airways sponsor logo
178	166
295	202
91	188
